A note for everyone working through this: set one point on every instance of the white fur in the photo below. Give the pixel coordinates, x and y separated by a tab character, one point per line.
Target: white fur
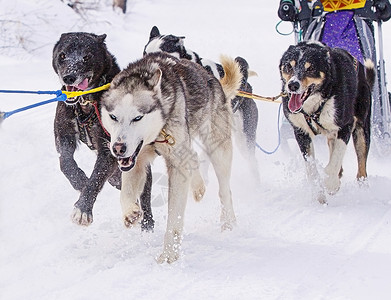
326	118
182	162
208	63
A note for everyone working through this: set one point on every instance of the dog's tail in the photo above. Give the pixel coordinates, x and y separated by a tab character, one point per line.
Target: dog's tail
233	77
370	72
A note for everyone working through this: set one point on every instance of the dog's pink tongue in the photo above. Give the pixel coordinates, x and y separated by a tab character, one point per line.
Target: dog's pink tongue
295	102
83	85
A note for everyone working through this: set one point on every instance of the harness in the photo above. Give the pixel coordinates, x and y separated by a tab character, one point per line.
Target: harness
85	121
314	117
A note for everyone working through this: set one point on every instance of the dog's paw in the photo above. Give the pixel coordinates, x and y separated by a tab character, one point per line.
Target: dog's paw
363	182
81	218
198	187
168	256
147	224
227	226
321	197
228	220
133	215
332	184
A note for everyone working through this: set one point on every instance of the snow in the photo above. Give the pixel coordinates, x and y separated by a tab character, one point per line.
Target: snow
285	244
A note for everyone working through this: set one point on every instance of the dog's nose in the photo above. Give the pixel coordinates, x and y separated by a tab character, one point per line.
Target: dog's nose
69	79
119	149
293	86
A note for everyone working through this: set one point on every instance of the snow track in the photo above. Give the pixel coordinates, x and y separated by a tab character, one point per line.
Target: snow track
285	245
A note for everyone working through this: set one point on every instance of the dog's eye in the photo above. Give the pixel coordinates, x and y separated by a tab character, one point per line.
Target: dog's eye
288	68
138	118
114	118
62	56
87	57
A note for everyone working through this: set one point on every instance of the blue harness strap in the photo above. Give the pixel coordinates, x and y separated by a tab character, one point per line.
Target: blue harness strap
7	114
279	135
59	97
57	93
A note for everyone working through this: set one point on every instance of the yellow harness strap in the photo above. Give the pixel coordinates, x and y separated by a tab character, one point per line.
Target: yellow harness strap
80	93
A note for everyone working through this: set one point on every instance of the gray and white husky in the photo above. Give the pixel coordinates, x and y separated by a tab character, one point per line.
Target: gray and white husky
158	106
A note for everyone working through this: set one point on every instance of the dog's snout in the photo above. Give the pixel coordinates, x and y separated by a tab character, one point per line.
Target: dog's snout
69	79
119	149
294	86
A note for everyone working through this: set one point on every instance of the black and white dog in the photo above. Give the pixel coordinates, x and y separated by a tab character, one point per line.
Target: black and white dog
328	92
246	111
81	61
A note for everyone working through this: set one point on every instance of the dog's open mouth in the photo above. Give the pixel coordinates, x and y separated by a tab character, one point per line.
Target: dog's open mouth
74	88
127	163
296	100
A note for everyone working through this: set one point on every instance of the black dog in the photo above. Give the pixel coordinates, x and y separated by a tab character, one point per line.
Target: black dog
328	92
246	111
82	61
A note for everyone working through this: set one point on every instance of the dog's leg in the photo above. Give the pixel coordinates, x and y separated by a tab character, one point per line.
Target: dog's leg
147	223
361	145
331	143
136	187
221	159
66	143
337	151
250	123
245	142
197	185
178	186
115	179
105	166
66	147
307	149
133	183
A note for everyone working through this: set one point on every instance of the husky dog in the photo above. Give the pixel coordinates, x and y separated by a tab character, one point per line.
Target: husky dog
328	92
82	61
158	105
246	111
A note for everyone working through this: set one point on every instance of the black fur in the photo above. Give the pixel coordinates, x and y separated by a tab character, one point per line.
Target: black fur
77	56
317	74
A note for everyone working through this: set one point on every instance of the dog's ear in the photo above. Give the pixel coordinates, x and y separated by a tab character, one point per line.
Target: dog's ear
154	33
101	38
180	41
63	35
155	79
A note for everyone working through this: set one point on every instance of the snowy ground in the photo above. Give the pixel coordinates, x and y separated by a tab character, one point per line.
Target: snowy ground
285	245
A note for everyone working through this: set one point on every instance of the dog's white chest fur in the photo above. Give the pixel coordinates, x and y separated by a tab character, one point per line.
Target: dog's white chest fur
325	123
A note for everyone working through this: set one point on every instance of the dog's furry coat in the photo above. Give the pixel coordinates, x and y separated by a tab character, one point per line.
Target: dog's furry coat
160	92
82	61
329	93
